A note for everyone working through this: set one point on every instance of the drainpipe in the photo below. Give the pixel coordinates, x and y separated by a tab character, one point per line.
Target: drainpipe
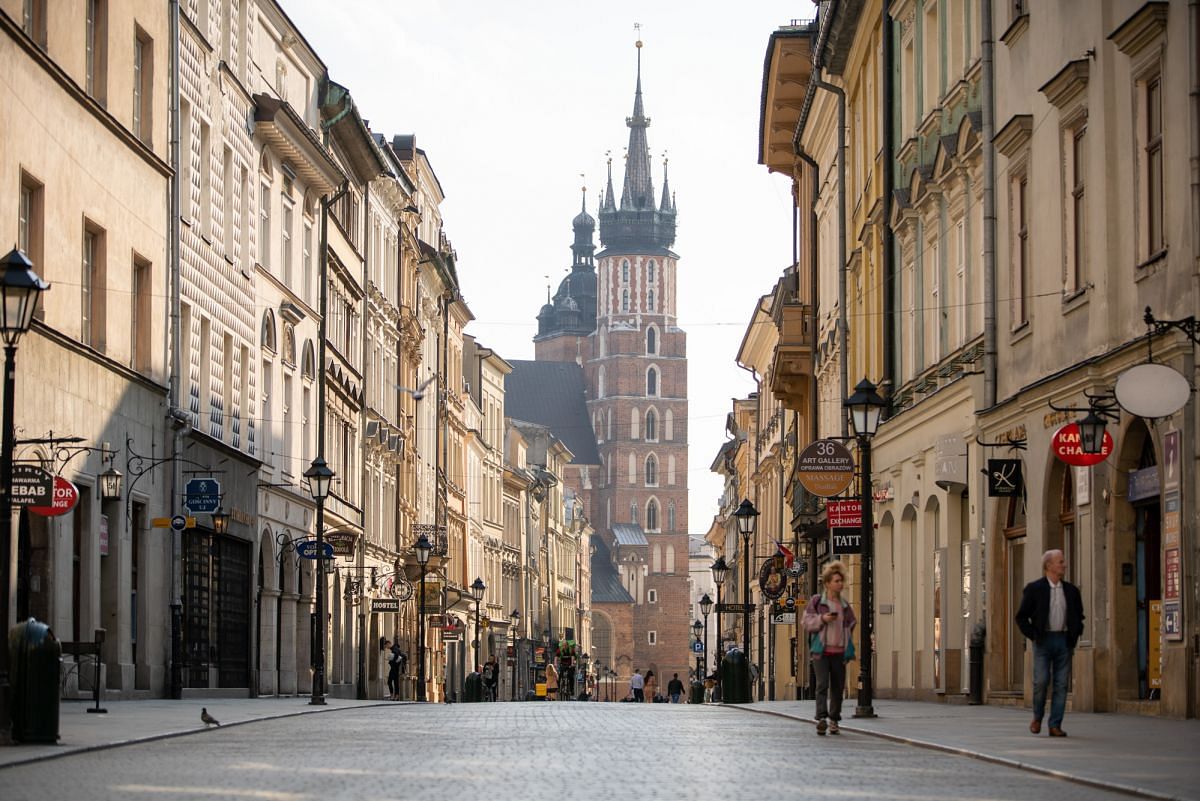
987	81
1194	119
843	324
757	444
814	276
889	157
175	414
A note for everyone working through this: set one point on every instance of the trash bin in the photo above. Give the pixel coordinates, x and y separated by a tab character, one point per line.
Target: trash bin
697	693
975	663
735	678
473	688
35	664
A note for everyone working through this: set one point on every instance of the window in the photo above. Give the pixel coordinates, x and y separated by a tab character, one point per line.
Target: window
1155	241
139	316
633	512
651	471
288	417
227	387
650	272
227	197
651	341
91	281
652	637
1076	175
624	272
185	159
652	596
306	260
933	314
29	221
1020	252
624	300
651	426
206	369
671	516
143	85
652	382
33	21
650	300
264	226
652	515
285	243
96	49
963	310
206	199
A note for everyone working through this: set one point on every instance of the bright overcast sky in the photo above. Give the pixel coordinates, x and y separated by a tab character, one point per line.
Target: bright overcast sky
513	100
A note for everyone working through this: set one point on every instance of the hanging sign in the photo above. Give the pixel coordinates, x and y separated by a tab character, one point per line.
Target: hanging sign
342	542
1004	478
825	468
65	497
772	579
31	486
1067	446
844	514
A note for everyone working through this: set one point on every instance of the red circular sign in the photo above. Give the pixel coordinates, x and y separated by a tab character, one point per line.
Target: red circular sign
1069	448
65	498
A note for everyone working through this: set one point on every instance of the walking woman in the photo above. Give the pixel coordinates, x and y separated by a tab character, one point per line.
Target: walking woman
830	622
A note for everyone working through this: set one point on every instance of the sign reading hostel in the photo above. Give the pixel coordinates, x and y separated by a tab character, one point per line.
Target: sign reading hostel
825	468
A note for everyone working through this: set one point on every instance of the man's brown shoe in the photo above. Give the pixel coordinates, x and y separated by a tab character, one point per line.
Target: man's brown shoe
1036	727
1057	732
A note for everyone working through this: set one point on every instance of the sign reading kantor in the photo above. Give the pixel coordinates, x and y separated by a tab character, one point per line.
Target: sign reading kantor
825	467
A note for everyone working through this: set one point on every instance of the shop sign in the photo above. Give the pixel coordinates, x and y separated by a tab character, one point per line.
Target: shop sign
1171	574
772	579
950	461
1172	620
65	497
1004	478
847	541
844	514
342	542
825	467
104	535
31	486
385	605
1142	484
1171	459
1067	446
1171	518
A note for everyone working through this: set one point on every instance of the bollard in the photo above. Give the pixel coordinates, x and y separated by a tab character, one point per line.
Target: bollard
978	637
35	659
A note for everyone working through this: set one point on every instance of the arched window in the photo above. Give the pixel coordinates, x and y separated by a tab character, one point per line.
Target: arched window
600	382
633	512
652	515
652	382
670	565
650	300
624	272
651	471
624	300
651	425
268	332
651	341
671	516
635	417
289	345
308	369
650	272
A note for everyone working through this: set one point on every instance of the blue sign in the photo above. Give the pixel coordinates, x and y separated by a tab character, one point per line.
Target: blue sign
309	550
698	647
202	495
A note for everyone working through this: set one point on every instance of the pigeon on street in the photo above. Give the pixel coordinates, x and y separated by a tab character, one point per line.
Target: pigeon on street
208	719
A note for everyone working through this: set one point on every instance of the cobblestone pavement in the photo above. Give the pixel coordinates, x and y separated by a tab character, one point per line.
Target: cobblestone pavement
523	751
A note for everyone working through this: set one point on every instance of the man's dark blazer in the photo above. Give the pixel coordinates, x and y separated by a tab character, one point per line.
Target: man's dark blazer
1033	617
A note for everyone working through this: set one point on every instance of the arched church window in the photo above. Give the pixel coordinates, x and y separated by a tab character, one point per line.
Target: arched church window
651	425
652	515
651	471
671	516
625	300
633	516
624	272
652	382
650	300
650	273
651	341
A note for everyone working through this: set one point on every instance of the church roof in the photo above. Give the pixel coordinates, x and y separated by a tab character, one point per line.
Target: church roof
606	581
629	534
553	394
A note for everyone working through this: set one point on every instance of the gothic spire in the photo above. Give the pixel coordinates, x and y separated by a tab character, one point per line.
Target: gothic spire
668	201
609	203
638	191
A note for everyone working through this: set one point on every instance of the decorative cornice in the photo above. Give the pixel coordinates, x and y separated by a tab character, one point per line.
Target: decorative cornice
1014	31
1142	29
1014	135
1067	85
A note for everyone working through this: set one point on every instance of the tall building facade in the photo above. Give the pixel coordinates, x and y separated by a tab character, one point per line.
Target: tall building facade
615	315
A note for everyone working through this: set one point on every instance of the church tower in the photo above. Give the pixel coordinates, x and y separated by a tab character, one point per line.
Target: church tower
635	364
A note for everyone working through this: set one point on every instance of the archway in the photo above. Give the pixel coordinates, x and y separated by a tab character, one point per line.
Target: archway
1137	551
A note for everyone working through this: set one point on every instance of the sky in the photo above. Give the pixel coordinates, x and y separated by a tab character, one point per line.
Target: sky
514	101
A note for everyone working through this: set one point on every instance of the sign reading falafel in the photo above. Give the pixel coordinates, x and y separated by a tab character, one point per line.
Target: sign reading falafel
825	468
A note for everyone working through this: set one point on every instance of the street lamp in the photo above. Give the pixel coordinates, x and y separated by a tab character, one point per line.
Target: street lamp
719	570
1091	433
866	409
319	478
747	521
697	632
478	588
515	617
706	605
220	521
110	484
22	290
424	549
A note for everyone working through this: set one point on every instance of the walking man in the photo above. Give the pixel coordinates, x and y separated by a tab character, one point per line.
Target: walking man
675	689
637	683
1051	615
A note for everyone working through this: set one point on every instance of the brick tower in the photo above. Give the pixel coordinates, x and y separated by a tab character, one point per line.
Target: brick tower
615	314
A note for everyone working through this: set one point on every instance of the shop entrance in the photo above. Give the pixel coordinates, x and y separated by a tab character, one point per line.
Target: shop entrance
1139	592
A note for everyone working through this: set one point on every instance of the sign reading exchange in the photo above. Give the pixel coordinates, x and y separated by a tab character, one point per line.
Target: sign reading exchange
825	468
1068	447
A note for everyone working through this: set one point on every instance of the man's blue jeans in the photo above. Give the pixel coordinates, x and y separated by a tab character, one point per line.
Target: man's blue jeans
1051	659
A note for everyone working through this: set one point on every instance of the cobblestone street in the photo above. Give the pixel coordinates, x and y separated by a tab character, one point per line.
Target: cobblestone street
522	751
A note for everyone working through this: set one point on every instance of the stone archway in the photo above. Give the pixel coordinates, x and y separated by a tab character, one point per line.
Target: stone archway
267	613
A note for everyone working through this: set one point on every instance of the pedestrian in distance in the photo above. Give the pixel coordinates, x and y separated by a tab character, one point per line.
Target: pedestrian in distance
637	685
829	622
675	689
651	684
551	682
1051	615
393	680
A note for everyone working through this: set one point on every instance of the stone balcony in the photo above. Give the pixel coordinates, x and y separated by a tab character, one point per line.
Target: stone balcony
792	365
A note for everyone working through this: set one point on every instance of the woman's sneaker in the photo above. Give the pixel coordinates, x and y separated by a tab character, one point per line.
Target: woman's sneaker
821	726
833	727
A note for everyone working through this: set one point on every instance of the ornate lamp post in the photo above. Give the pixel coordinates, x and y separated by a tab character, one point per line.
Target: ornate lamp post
719	570
698	633
21	289
747	521
515	617
478	588
866	409
319	478
424	549
706	605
